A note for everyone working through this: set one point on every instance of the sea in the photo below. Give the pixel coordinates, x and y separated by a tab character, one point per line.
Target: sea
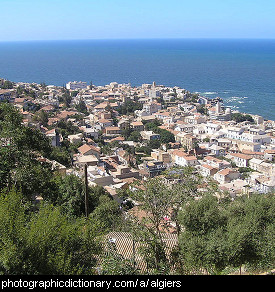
240	71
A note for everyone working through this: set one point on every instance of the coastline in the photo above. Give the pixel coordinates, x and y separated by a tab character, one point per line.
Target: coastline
241	67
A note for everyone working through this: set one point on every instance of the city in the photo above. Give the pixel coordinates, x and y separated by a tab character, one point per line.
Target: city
152	150
196	131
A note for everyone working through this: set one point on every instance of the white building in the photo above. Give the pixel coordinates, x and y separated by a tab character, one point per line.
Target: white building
73	85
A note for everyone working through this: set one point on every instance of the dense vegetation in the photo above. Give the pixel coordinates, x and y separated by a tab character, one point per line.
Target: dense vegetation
238	117
214	234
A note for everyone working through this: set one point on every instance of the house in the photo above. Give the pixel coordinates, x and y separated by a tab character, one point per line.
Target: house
248	146
149	135
123	171
215	162
236	187
183	159
266	184
47	108
187	141
98	176
91	132
105	123
226	175
161	156
5	94
151	168
90	160
241	160
195	119
183	127
255	163
102	107
89	150
112	131
207	170
234	132
137	126
151	107
225	143
20	101
76	138
123	123
217	150
254	154
269	155
212	128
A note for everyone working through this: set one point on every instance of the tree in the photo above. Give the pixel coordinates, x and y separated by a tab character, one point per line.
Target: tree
135	136
155	200
44	242
68	193
12	228
20	153
184	182
202	244
165	136
42	117
221	233
251	223
81	106
238	117
106	216
6	84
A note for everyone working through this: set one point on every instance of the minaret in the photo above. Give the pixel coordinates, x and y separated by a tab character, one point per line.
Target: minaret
218	107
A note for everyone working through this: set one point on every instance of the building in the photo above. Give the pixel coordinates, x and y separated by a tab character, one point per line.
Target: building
216	163
149	135
217	150
188	141
89	150
241	160
90	160
137	126
183	159
207	170
74	85
112	131
226	175
76	138
162	156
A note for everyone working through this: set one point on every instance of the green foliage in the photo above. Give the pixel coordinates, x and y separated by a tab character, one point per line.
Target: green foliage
68	193
66	128
106	216
61	155
81	107
155	200
229	234
135	136
42	117
202	109
165	136
238	117
19	152
116	265
144	149
66	98
6	84
129	107
42	243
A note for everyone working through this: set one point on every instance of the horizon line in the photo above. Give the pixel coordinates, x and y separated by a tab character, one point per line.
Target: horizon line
144	38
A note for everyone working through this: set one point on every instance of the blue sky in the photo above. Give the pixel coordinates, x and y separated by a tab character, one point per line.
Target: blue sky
111	19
